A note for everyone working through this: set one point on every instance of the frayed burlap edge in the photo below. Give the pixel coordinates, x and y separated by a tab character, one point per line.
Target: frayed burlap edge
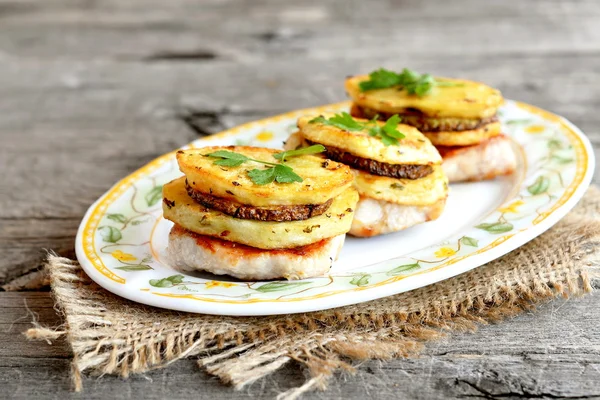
111	335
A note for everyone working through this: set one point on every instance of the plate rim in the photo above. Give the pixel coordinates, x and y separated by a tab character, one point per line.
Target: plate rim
360	294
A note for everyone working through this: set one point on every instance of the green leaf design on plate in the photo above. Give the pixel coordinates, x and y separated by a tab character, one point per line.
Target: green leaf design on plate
540	185
360	280
161	283
110	234
186	288
562	160
137	267
279	286
518	121
469	241
139	221
554	144
117	217
166	282
402	269
496	227
153	196
242	142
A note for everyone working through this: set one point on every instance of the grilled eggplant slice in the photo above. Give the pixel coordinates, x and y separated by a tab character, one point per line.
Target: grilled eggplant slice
180	208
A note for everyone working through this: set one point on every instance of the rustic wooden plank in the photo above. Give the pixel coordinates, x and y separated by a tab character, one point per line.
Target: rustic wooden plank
31	300
59	91
24	241
19	311
246	31
33	280
550	353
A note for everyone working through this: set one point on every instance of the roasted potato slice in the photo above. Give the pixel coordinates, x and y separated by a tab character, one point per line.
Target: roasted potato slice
466	100
465	138
181	209
413	149
414	192
321	181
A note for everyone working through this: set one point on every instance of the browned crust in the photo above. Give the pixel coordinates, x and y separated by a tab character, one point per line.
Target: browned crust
399	171
424	123
210	243
453	151
245	211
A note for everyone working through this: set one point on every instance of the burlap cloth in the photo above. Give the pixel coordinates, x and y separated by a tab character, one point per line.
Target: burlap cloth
110	335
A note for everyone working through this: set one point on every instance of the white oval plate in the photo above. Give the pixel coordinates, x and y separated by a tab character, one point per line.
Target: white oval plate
122	239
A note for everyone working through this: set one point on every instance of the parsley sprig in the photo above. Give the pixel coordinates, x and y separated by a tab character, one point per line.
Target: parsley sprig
314	149
409	80
388	133
279	173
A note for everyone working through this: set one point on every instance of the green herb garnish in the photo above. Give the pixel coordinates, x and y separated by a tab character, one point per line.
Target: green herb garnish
317	148
229	158
409	80
388	133
279	173
343	121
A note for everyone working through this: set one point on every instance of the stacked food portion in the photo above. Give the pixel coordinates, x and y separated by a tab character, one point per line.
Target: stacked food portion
256	213
458	116
396	169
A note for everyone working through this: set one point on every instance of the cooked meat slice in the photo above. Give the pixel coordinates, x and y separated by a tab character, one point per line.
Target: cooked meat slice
378	217
190	251
487	160
424	123
400	171
246	211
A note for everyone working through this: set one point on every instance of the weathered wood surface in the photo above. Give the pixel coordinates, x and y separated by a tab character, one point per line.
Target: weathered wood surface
552	353
90	91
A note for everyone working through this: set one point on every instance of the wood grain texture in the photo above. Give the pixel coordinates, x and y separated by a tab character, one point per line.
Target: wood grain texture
90	91
550	353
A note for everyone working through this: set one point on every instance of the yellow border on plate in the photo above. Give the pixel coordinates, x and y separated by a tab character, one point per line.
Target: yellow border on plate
88	236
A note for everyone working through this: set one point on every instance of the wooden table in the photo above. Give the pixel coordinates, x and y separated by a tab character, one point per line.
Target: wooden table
92	90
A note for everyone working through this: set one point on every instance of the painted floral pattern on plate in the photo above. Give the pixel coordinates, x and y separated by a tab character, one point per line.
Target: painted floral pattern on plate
117	238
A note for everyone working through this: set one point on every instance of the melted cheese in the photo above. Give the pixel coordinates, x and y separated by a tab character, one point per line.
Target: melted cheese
467	100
